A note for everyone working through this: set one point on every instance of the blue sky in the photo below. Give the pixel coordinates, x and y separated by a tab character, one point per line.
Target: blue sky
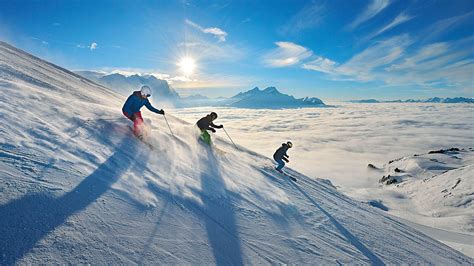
339	49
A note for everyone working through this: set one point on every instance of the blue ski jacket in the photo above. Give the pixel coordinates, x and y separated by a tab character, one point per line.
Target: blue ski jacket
135	102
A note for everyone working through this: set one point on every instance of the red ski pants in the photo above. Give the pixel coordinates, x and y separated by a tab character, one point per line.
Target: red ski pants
137	121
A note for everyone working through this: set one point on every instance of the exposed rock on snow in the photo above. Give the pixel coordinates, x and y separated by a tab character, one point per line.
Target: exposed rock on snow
440	183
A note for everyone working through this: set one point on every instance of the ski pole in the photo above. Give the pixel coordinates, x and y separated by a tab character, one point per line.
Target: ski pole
168	125
230	138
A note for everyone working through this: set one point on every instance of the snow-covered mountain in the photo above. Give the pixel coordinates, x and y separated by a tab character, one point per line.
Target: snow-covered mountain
440	184
77	187
434	189
271	98
125	85
430	100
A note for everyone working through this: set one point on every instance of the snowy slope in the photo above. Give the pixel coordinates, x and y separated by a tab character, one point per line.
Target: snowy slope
77	187
434	192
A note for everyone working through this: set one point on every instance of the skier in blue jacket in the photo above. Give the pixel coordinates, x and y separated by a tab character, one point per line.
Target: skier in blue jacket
131	109
280	155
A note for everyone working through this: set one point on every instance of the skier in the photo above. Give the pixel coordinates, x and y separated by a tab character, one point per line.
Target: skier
131	109
280	155
205	124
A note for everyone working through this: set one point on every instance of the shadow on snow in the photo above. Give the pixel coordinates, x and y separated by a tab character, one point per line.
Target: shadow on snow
25	221
350	237
217	213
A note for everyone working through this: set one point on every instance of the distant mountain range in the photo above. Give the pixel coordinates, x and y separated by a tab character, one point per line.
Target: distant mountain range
269	98
430	100
125	85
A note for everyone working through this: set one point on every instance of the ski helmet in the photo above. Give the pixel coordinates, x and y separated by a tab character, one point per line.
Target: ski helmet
289	144
145	91
213	115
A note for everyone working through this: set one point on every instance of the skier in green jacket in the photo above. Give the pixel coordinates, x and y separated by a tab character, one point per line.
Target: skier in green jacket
205	124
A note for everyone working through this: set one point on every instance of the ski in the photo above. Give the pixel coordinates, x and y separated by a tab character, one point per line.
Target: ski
289	176
282	173
141	138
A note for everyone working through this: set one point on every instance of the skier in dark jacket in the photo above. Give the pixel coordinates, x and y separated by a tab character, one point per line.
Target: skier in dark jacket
205	124
280	155
131	109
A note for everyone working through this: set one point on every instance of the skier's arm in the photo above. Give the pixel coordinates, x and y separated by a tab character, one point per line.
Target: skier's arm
153	109
211	129
216	126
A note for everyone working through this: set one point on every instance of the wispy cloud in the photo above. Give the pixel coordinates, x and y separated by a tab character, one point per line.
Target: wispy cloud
445	25
362	65
308	17
321	64
286	54
43	42
246	20
216	32
372	10
426	53
401	18
93	46
393	62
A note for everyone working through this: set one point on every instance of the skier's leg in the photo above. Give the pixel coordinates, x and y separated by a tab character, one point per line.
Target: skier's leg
281	164
205	137
138	124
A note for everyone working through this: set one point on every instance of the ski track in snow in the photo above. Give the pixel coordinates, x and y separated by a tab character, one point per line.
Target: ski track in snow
77	187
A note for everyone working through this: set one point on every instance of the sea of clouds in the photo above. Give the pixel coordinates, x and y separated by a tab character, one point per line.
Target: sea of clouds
338	143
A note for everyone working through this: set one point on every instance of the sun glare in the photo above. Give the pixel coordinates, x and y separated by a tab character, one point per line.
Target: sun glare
187	65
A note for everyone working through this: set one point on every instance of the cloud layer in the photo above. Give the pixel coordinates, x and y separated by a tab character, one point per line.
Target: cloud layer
338	143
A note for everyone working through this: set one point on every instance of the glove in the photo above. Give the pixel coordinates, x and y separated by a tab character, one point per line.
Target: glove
221	126
161	112
132	117
286	160
213	130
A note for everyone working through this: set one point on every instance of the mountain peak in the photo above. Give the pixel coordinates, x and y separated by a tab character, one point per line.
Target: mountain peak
271	90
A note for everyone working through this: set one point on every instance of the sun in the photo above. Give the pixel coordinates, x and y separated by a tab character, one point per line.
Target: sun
187	65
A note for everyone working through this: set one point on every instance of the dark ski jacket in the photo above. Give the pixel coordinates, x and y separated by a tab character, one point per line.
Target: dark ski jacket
281	152
206	123
135	102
